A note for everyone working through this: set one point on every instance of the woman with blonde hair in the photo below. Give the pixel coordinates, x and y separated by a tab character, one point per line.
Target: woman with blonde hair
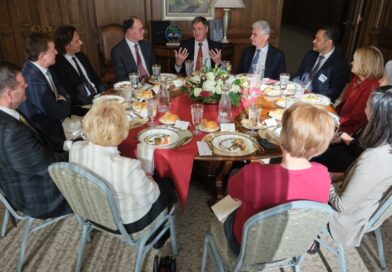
368	68
306	132
140	198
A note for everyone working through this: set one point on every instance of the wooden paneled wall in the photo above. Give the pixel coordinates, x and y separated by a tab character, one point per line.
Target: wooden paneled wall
116	11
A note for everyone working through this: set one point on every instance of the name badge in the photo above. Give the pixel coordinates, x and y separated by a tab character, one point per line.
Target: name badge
204	149
322	78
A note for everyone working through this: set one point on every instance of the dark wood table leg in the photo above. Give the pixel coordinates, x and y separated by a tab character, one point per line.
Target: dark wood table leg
219	179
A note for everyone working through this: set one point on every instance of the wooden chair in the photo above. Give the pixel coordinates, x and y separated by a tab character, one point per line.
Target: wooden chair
109	36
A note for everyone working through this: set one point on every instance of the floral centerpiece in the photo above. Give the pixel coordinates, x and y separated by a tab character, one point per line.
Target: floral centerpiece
206	85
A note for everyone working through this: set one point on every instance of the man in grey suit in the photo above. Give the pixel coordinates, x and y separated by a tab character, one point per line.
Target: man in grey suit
132	54
25	155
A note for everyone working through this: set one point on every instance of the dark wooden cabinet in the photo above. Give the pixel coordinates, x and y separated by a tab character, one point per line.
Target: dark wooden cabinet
165	55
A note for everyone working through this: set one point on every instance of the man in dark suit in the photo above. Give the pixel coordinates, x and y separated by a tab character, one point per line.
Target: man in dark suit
74	70
25	155
133	54
262	53
199	49
47	102
323	70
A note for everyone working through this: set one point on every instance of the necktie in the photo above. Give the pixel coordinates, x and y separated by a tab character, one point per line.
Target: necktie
24	121
52	85
255	60
142	71
315	68
199	57
90	89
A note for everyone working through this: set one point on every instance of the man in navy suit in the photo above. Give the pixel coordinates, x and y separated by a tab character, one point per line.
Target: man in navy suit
262	53
199	49
47	102
323	70
74	70
25	155
132	54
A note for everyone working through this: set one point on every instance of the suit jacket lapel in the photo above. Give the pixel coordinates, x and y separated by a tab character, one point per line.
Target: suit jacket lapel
250	57
268	61
128	55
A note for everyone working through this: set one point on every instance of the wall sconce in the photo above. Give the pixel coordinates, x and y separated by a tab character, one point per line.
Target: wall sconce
227	5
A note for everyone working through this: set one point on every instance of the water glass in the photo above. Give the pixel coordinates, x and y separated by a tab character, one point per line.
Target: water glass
151	110
134	79
254	112
225	64
284	79
189	67
299	90
197	115
156	71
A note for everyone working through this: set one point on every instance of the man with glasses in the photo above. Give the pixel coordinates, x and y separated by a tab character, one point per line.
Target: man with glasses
132	54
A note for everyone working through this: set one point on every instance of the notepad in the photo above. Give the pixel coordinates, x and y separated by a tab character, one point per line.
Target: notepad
224	207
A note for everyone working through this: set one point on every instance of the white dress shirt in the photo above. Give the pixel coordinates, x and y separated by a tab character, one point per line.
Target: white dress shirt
263	55
70	60
132	47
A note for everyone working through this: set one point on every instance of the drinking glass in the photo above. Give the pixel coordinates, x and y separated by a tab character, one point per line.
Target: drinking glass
197	115
134	79
284	80
299	90
151	110
156	71
225	64
254	115
189	67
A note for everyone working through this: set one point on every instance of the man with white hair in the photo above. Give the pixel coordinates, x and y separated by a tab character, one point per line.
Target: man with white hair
262	53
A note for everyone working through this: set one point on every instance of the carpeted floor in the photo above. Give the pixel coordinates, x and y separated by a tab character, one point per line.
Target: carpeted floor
54	248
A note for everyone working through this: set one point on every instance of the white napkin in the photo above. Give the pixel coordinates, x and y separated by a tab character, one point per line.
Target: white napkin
145	153
72	127
178	82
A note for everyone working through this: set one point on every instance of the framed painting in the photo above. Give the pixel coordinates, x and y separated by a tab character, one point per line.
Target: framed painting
186	10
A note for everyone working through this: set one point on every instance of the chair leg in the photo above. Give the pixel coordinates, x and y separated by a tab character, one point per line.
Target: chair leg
83	239
5	223
173	236
342	262
204	257
139	257
25	241
380	247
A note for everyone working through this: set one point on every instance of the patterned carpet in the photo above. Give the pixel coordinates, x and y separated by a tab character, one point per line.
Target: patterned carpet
54	248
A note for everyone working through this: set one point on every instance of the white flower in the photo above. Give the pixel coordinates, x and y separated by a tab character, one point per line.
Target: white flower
218	89
210	76
197	91
235	89
209	85
230	80
195	79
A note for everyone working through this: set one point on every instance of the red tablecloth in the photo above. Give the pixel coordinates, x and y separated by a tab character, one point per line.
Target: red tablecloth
176	163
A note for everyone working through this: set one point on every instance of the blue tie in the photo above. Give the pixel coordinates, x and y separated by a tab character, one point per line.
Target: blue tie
255	60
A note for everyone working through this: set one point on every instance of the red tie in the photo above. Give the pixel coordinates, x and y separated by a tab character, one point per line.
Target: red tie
142	72
199	57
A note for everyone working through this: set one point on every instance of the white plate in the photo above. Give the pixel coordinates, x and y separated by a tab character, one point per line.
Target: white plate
316	99
277	114
169	76
232	144
281	102
208	130
246	124
117	98
159	137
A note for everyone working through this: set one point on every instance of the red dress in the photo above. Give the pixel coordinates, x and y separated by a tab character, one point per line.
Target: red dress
261	187
352	108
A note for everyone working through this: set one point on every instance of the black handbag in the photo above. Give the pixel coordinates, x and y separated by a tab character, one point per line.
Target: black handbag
164	264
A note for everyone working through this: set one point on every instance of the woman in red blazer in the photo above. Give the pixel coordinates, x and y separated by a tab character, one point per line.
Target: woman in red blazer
368	68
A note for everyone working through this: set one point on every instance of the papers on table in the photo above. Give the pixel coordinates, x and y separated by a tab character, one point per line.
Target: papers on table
224	207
